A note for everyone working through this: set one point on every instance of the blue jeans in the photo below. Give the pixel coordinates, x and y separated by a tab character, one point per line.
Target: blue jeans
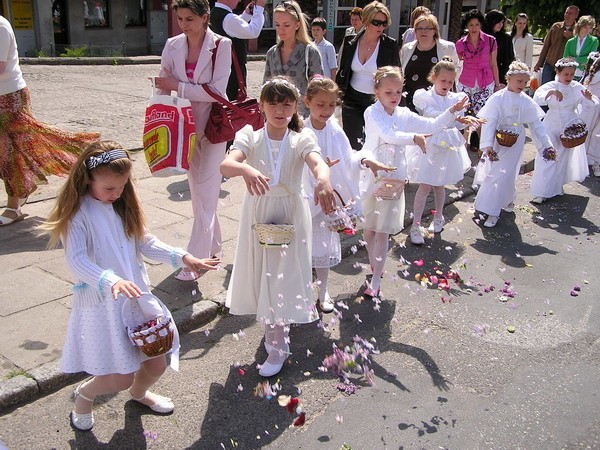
548	73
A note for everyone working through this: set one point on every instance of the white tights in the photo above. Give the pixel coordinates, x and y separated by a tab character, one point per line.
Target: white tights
377	248
322	276
439	194
278	337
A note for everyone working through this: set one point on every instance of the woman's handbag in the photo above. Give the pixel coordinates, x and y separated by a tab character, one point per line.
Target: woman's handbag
169	134
227	118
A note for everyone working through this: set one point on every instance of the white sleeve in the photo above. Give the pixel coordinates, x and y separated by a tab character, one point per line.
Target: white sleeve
529	51
539	134
220	77
237	27
153	248
79	263
540	94
5	38
413	123
332	58
382	125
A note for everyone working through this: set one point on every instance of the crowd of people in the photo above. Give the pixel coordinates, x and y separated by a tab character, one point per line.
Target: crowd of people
408	113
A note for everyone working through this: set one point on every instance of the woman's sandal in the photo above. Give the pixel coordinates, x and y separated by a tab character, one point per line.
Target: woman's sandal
4	220
85	421
164	405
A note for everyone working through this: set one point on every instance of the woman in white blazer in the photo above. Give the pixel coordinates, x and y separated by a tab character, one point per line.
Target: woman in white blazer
418	57
186	64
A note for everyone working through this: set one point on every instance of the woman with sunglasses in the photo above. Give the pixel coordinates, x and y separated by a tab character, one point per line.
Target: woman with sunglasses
418	57
294	56
370	49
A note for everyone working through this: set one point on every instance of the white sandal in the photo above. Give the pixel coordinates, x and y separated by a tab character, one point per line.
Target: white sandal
163	405
85	421
7	220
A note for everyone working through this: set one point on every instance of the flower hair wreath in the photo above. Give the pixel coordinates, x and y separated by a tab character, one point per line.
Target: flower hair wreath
518	72
566	62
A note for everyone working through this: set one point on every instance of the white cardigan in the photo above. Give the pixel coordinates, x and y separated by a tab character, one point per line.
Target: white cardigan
444	48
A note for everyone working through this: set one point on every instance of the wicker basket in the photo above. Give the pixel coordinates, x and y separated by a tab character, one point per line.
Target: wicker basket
389	188
343	217
274	235
506	138
154	337
570	140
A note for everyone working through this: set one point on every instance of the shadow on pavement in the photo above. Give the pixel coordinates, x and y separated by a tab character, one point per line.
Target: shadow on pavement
22	237
564	214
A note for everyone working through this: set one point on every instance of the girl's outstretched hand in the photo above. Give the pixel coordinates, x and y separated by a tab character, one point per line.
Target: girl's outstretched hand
324	196
375	166
128	288
256	182
197	264
460	105
331	162
420	141
587	94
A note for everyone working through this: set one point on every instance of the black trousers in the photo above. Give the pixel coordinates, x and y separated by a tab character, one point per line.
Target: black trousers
354	105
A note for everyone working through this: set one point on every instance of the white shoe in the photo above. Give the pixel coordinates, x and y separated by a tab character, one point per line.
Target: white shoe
416	237
326	305
596	169
84	421
437	225
510	207
163	405
274	363
538	200
491	221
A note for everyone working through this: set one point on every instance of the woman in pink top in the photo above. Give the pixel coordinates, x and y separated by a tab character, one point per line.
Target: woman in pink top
477	51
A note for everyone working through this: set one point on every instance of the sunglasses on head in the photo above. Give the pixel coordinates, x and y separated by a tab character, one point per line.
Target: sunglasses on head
379	23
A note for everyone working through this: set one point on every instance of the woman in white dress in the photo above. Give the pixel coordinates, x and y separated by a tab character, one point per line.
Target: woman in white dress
508	109
564	98
269	281
592	115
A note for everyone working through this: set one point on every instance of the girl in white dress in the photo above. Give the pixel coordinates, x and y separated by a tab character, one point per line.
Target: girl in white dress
98	219
508	109
321	99
446	159
274	282
388	129
592	115
564	98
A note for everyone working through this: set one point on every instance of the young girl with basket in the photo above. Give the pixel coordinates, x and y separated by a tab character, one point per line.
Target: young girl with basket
322	96
388	129
446	159
567	131
98	219
272	275
503	141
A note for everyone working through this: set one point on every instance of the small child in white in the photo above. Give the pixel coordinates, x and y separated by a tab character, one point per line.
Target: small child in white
564	98
446	159
509	108
321	99
388	129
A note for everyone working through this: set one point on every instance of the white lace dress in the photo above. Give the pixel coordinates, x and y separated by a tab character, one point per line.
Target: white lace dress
274	283
446	160
326	248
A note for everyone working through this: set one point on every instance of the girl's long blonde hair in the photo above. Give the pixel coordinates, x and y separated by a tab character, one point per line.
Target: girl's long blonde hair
294	10
128	206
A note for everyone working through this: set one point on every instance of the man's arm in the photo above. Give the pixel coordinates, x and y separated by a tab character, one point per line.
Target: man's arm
235	26
547	44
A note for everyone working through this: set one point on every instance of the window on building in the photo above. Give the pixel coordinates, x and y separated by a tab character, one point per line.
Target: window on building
135	13
95	13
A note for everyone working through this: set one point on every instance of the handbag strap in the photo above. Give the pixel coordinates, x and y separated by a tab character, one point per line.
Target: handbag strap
236	66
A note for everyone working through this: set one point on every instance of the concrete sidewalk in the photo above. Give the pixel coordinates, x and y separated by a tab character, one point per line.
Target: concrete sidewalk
36	288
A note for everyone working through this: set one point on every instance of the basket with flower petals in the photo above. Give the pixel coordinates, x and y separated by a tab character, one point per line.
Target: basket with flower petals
574	134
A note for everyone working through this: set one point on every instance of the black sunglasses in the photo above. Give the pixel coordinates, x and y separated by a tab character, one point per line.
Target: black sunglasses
379	23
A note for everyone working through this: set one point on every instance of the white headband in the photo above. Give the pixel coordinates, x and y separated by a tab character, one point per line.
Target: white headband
284	82
518	72
565	62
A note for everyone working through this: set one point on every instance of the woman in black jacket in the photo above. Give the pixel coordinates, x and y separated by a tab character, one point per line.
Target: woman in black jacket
495	21
361	57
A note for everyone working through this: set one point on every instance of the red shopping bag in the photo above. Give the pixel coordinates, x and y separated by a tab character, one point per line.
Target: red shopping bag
169	135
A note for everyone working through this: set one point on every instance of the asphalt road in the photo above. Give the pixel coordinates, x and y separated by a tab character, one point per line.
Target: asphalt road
449	373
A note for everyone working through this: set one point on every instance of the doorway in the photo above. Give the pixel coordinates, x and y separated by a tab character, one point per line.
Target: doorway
60	22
